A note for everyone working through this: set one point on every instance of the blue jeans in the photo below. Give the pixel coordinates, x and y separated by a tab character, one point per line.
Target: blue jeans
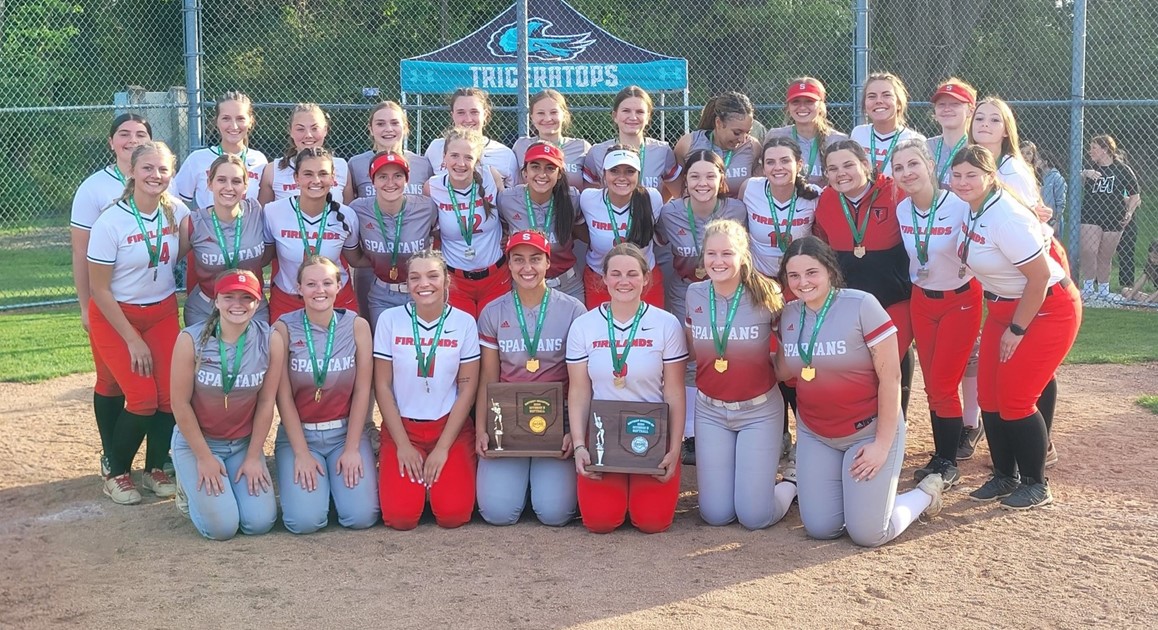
219	517
305	512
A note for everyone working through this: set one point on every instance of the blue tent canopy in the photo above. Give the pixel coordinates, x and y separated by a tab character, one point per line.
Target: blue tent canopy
566	51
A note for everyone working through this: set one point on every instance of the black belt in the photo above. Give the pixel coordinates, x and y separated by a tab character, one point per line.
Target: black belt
1061	285
481	273
937	295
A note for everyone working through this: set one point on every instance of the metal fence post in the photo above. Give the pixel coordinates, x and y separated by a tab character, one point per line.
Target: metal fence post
191	14
860	56
524	98
1073	214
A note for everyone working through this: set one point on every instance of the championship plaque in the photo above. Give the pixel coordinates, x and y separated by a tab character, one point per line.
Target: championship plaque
627	437
524	419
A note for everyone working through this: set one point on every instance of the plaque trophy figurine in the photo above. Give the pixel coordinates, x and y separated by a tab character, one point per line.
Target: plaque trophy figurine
599	441
498	411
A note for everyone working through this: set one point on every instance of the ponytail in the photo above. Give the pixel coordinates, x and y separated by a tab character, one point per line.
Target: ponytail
642	218
564	210
207	333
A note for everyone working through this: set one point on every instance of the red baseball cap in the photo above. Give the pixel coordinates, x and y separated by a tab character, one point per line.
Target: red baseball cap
386	159
534	238
805	89
543	151
239	280
957	91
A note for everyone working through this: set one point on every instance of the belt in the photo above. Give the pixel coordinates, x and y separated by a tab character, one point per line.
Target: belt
481	273
733	406
399	287
324	426
422	420
557	280
937	295
1064	283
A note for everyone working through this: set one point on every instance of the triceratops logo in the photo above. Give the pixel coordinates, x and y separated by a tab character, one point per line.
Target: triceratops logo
540	45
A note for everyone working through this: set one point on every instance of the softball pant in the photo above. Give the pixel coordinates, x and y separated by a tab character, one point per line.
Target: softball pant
945	326
676	296
220	517
569	282
384	295
451	498
470	291
198	306
281	302
305	512
832	502
503	482
737	454
595	291
605	503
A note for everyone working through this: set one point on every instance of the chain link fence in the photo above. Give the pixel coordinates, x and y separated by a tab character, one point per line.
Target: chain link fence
67	67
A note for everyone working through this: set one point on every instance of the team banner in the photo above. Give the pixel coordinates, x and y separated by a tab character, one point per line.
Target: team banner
566	51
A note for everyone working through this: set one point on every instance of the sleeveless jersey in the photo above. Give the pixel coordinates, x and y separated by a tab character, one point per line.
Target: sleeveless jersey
574	151
1005	236
498	328
495	155
737	162
943	263
116	240
601	232
656	158
512	204
762	229
883	160
338	389
209	255
659	340
96	193
282	229
812	155
284	184
208	401
359	166
486	228
687	241
750	342
417	223
191	182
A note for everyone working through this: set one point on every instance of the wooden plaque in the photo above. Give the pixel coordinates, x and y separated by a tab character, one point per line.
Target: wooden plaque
531	422
634	437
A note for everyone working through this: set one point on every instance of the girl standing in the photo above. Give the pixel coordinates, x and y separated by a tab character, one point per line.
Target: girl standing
234	121
1113	194
551	119
885	102
953	103
389	129
725	129
1053	183
631	113
807	116
308	128
470	108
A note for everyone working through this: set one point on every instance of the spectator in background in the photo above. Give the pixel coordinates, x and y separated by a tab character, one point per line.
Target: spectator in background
1111	197
1051	181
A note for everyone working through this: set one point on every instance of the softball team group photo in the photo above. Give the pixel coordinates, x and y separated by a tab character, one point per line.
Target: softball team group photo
776	292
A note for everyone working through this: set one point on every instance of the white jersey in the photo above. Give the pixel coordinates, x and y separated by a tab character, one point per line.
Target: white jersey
282	229
284	184
495	155
192	180
1016	174
810	150
430	397
593	204
658	340
97	192
762	228
870	140
943	262
116	239
486	228
1005	236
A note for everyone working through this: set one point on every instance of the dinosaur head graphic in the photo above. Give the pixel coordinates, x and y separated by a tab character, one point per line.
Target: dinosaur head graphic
541	45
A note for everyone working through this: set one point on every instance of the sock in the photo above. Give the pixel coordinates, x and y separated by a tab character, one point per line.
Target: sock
107	409
1029	440
972	416
1000	450
907	368
1047	402
1104	288
947	437
1088	286
160	438
127	437
783	494
907	507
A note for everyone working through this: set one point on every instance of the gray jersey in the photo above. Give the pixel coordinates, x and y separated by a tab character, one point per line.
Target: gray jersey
657	158
209	255
574	151
811	152
738	162
338	389
417	223
498	328
218	421
748	351
512	204
687	241
420	171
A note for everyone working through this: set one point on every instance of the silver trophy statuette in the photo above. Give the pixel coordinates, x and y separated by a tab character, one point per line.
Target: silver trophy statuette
498	411
599	437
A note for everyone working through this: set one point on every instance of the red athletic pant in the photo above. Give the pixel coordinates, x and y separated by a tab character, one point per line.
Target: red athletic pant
595	291
106	383
451	498
157	324
605	503
281	302
902	319
1013	387
945	330
472	295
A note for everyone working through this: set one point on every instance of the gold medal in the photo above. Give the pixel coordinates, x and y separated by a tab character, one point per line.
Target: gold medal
538	424
858	251
620	381
808	373
318	395
721	365
532	365
227	402
701	273
393	273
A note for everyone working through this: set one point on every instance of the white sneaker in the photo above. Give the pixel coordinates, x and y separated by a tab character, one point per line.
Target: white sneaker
157	482
104	465
933	486
121	490
181	500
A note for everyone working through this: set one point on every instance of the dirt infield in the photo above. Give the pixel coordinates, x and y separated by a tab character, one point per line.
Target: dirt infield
70	558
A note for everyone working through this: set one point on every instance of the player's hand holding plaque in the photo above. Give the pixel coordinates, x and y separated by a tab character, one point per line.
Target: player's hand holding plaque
627	437
524	419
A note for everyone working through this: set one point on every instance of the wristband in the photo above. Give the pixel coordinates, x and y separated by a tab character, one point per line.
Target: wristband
580	446
1017	330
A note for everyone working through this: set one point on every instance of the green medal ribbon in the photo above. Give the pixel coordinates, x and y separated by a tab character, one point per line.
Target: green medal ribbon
244	155
320	371
615	224
230	263
154	249
697	245
941	170
785	238
397	229
880	166
858	232
426	361
317	247
813	152
727	154
532	345
227	378
618	361
118	174
467	230
923	247
642	155
971	229
720	337
807	352
531	211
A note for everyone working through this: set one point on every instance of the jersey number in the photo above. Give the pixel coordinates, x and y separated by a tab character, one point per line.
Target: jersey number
164	257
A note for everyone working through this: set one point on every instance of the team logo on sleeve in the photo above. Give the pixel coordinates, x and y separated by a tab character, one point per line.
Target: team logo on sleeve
540	45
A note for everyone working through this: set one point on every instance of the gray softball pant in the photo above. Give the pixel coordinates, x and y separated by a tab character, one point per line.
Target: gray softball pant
737	454
501	488
305	512
381	297
832	502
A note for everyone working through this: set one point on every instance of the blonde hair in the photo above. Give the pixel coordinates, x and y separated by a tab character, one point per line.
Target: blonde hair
630	250
554	95
301	108
1009	144
401	114
902	94
436	255
823	126
763	290
168	204
981	158
475	139
922	149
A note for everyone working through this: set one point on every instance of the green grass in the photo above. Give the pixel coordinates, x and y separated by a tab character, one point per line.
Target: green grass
35	265
1149	402
1116	336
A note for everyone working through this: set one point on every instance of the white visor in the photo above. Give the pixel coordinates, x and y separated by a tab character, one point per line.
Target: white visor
616	158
